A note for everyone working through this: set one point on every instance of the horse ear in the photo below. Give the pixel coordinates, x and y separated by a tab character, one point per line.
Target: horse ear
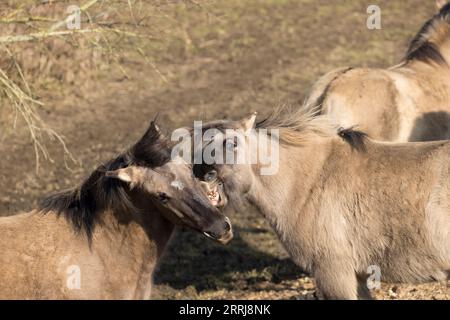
155	130
153	133
155	127
249	123
132	175
441	3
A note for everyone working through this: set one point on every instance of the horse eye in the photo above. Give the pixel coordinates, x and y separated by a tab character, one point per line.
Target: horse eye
210	176
163	197
230	144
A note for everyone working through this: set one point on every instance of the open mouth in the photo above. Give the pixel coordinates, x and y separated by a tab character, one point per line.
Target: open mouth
214	191
223	239
214	196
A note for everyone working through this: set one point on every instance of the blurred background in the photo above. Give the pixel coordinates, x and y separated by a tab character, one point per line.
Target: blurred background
71	99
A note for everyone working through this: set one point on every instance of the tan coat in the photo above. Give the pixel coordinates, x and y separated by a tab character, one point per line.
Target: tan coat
43	258
408	102
103	239
341	203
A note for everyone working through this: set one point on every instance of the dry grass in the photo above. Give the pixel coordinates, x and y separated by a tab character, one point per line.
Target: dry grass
110	31
189	60
22	103
19	94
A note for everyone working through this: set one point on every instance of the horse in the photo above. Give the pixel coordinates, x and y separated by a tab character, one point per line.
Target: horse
341	203
407	102
104	238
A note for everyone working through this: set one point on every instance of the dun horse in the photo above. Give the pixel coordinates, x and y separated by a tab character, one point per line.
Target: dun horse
104	239
408	102
340	202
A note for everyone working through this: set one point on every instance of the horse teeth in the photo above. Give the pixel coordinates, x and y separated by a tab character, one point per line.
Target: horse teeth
212	195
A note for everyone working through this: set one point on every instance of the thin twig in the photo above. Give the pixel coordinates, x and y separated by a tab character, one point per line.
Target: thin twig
23	104
43	35
27	20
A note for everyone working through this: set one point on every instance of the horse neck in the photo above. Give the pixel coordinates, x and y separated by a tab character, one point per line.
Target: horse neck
430	67
430	76
278	197
147	229
133	241
444	45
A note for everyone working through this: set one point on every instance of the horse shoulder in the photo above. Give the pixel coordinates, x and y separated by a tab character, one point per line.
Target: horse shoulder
42	256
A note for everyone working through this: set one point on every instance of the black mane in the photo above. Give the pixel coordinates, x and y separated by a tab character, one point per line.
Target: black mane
421	48
82	205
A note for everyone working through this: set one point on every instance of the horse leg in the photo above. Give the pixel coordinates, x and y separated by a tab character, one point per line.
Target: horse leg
336	281
363	290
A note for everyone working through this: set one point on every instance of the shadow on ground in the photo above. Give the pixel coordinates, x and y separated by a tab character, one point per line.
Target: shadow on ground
196	262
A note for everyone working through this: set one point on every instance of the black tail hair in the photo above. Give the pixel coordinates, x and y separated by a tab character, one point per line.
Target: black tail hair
355	138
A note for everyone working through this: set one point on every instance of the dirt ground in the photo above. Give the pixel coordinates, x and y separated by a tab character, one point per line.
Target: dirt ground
217	59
